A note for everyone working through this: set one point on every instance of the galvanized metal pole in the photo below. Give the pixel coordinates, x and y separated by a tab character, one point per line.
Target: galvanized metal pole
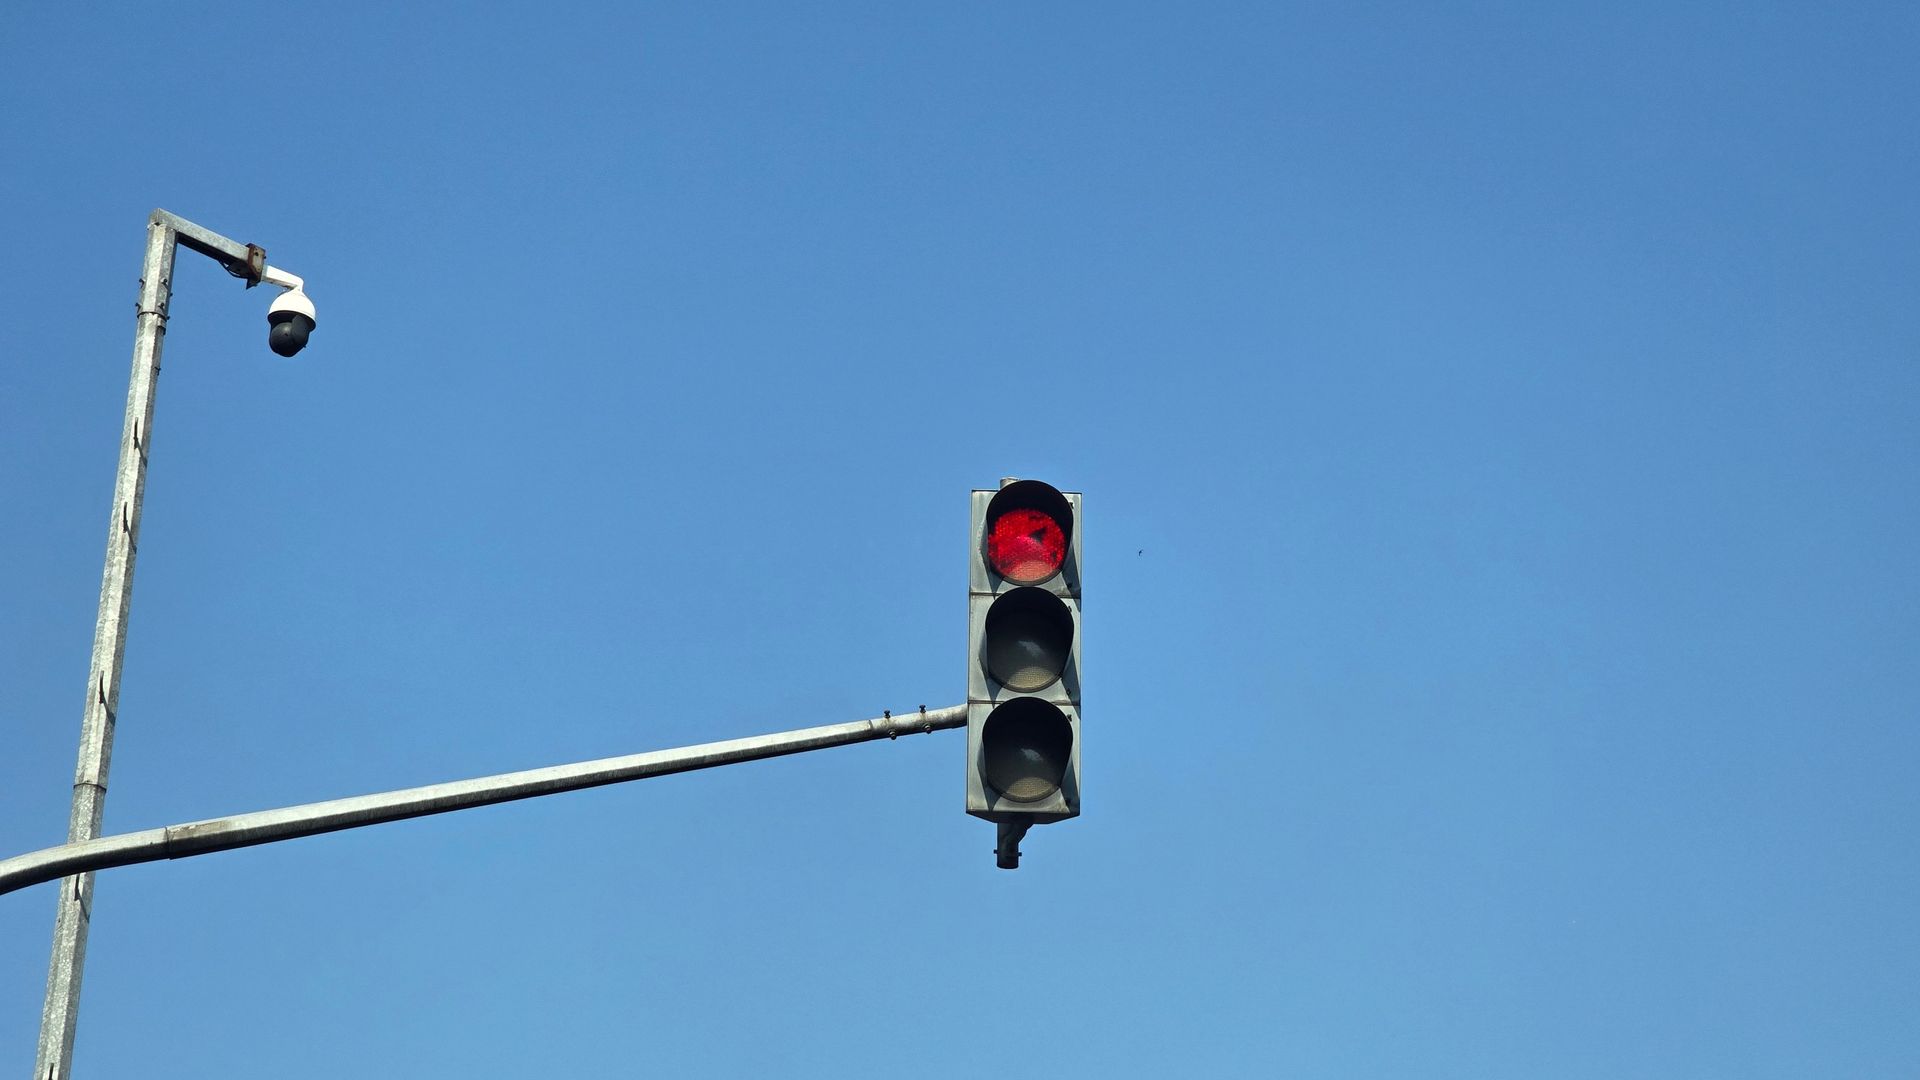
166	233
55	1058
287	823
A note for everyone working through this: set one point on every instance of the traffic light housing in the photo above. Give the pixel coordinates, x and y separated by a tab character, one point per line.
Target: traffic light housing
1023	651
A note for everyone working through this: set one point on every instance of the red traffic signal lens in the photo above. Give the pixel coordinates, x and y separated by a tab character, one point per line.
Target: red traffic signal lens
1026	546
1029	530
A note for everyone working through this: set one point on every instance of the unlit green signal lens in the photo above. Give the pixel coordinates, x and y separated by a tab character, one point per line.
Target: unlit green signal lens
1024	748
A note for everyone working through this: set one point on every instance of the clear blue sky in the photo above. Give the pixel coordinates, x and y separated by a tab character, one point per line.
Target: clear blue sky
1499	430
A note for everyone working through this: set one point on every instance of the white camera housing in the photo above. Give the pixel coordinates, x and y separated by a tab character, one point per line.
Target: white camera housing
294	301
290	318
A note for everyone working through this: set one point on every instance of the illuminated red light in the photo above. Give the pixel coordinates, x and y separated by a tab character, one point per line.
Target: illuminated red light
1026	546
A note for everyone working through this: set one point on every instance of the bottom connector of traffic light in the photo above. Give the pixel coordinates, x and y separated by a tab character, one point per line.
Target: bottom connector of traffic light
1006	851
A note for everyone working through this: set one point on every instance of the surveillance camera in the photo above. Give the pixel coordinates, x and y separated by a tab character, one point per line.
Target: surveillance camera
289	321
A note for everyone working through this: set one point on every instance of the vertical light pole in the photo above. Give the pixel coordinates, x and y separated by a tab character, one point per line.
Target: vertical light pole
165	233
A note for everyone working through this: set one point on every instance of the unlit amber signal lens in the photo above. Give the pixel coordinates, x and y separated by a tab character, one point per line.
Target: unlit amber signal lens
1029	637
1026	546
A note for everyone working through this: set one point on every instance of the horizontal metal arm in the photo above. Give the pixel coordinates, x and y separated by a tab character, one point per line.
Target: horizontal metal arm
267	826
241	260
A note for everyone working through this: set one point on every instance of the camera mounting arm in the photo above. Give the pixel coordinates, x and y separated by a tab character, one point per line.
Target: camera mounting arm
273	275
248	261
245	261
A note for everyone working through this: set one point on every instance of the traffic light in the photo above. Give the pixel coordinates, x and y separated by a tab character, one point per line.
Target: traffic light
1023	660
